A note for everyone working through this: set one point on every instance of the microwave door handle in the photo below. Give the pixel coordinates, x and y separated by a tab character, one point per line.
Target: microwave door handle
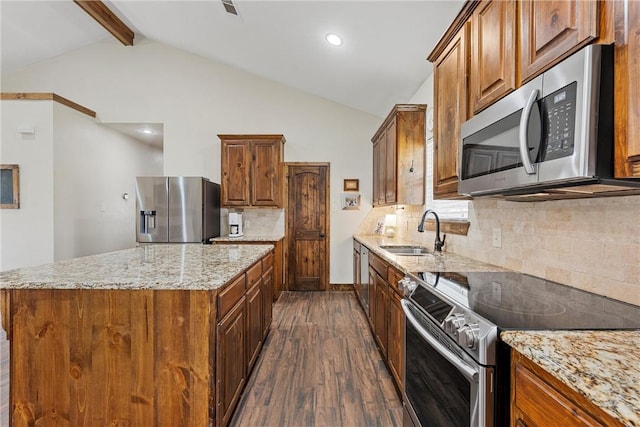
467	371
524	127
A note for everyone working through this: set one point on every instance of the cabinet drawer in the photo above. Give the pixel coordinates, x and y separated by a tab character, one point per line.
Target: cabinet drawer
267	261
254	274
378	265
230	295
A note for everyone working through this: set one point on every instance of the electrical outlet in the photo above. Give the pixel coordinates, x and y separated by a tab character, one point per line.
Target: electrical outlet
497	238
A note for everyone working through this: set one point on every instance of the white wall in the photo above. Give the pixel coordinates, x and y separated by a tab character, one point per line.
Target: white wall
196	99
93	167
73	172
26	234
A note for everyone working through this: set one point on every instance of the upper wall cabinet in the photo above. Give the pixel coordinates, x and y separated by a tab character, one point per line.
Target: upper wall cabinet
399	156
552	30
252	170
450	71
627	89
493	46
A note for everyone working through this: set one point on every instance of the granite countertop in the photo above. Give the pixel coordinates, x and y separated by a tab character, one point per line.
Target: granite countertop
442	262
249	238
603	366
156	266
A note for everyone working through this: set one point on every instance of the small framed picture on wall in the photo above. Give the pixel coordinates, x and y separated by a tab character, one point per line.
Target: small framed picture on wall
351	201
351	185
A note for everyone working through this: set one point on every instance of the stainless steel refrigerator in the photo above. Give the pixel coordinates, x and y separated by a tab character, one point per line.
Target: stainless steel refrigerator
177	209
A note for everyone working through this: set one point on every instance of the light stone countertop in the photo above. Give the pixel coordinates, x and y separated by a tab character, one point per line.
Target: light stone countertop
157	266
603	366
249	238
442	262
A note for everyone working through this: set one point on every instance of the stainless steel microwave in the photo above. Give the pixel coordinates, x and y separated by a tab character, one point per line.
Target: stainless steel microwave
556	130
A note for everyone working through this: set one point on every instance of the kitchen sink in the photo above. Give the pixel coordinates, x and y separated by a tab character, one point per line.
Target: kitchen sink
407	250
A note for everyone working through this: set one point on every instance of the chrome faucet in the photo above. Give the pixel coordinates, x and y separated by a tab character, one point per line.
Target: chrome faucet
439	243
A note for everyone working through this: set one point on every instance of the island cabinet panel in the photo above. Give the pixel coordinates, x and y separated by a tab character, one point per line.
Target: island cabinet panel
539	400
267	298
552	30
102	357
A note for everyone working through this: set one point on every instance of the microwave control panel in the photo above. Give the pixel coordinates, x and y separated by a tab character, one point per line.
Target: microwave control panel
559	121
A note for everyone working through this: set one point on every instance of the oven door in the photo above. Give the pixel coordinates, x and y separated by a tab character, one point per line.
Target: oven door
443	385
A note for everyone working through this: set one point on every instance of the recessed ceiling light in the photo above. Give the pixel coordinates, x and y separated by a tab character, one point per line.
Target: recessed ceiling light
146	131
334	39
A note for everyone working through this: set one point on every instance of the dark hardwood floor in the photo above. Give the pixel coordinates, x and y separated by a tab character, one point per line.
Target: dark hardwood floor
319	367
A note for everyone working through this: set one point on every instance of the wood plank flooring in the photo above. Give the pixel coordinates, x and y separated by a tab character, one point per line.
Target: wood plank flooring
319	367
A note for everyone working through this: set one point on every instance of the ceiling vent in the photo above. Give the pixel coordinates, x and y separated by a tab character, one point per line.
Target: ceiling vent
229	7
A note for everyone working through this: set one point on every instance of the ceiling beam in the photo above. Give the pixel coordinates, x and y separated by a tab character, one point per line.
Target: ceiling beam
105	17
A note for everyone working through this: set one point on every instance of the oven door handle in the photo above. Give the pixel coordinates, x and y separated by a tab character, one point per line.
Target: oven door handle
467	371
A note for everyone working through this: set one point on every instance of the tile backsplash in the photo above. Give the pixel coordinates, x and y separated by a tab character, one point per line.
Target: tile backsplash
591	244
259	222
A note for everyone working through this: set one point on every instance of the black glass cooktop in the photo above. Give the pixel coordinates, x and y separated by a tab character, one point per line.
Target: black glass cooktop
513	300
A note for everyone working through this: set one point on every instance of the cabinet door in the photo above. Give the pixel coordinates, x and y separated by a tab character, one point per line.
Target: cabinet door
551	30
390	173
267	301
381	313
356	273
235	173
493	47
450	98
379	170
372	295
627	89
254	323
231	364
265	173
395	354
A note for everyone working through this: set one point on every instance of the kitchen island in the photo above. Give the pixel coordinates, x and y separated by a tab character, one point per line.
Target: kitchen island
584	372
132	338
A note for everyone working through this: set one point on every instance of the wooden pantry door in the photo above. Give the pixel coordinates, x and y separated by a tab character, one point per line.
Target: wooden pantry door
307	226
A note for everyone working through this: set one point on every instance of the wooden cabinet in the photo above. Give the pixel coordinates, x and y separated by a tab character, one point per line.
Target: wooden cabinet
493	47
539	400
380	314
552	30
399	156
387	317
252	170
627	89
450	70
231	359
255	332
395	353
268	274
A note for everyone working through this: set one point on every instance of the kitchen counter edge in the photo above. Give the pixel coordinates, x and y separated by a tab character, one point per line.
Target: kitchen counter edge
602	366
150	267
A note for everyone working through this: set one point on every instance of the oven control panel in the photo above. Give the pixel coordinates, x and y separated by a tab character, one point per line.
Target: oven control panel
464	329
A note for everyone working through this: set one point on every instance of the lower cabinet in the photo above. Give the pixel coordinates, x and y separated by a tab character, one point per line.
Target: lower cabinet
244	317
538	400
231	367
395	355
386	316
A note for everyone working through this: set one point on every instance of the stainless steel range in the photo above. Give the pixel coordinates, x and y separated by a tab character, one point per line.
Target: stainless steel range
456	367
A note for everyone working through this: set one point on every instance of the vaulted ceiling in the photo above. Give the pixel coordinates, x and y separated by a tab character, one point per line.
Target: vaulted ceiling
382	61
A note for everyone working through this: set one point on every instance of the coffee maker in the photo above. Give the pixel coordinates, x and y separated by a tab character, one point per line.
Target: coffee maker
235	224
